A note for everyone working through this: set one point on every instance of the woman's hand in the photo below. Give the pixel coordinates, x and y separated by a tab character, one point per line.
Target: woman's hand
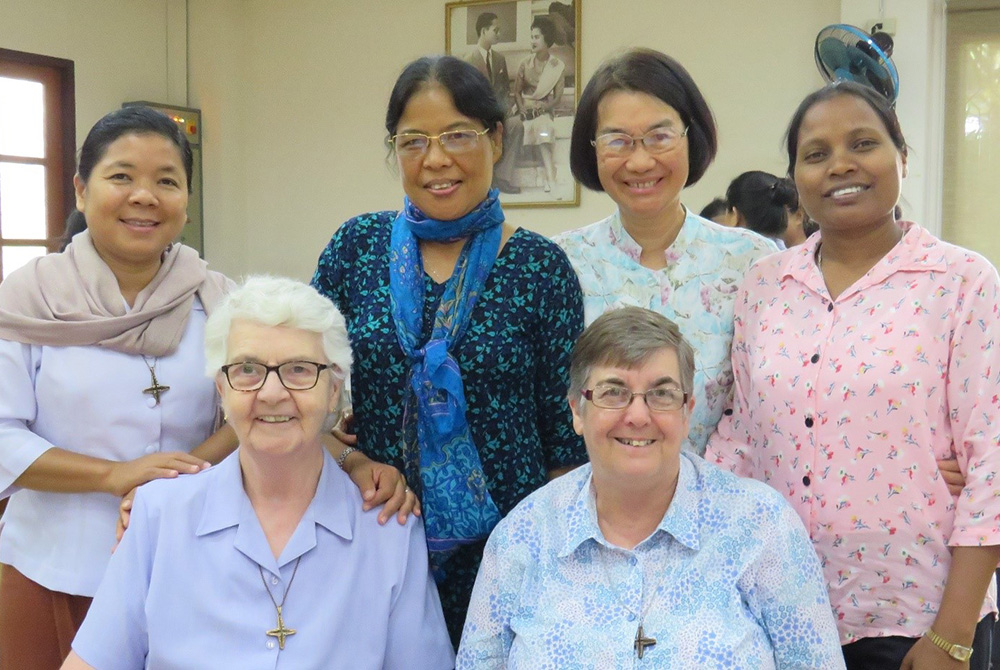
124	516
382	484
952	476
925	655
125	476
344	429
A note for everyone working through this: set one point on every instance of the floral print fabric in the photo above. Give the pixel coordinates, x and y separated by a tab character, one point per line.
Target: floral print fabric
845	405
696	289
727	580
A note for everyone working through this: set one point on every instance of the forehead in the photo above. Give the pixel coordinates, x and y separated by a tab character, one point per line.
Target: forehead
840	114
624	109
133	147
658	365
431	107
249	340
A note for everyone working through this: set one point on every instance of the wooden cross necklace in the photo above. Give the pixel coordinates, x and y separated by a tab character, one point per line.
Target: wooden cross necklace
641	641
155	389
279	631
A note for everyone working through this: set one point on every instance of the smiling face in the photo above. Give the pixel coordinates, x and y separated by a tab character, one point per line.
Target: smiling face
274	420
645	186
848	172
445	186
633	446
135	200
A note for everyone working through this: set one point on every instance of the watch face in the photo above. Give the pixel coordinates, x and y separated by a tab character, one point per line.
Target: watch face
960	653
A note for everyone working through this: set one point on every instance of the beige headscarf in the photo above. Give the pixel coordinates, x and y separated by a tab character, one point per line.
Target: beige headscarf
73	299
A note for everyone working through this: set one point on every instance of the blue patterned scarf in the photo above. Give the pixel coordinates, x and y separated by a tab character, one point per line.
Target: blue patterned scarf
457	506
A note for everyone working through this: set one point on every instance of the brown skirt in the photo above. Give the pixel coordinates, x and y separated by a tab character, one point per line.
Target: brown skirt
36	625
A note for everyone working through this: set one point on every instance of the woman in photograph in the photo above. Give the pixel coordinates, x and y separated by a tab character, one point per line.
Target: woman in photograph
461	324
861	357
538	88
103	379
642	133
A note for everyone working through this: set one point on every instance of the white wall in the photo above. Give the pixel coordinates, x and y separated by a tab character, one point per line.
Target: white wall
293	95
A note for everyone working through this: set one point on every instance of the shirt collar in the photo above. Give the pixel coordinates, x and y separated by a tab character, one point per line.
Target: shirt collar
627	245
917	251
227	505
681	520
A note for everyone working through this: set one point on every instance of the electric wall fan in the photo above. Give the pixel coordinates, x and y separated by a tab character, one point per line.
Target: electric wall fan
844	52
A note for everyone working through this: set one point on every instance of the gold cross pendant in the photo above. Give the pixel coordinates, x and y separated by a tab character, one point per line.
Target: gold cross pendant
281	632
156	389
641	642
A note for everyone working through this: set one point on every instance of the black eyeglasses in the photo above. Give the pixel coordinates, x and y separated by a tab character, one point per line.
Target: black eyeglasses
658	399
293	375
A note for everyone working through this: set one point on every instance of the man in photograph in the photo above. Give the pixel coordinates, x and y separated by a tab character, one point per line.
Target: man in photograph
493	64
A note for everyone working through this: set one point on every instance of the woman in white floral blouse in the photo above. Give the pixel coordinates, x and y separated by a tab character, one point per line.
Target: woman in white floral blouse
642	133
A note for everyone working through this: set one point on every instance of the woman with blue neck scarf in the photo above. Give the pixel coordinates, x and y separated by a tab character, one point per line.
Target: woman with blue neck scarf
462	326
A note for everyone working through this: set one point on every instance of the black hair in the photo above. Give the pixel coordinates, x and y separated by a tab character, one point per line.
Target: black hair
135	120
763	201
471	92
879	104
547	28
714	209
656	74
484	21
76	222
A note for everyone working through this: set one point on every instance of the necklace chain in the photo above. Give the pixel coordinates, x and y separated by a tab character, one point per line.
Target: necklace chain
641	641
280	631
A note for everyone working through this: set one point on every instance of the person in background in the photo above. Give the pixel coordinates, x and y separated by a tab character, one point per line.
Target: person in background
103	386
862	359
538	88
717	211
462	325
642	133
493	65
759	201
647	556
268	559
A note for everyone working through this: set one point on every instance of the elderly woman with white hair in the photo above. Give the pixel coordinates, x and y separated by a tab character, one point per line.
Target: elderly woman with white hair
647	556
268	559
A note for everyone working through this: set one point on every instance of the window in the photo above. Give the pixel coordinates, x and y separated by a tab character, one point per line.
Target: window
37	141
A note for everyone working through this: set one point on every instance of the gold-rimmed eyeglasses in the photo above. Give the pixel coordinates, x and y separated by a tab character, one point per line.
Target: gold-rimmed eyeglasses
293	375
414	145
658	399
656	141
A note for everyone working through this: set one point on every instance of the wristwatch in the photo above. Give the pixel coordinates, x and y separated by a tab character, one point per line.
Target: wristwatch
956	651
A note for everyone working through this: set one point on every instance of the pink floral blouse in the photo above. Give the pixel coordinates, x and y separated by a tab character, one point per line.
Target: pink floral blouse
845	405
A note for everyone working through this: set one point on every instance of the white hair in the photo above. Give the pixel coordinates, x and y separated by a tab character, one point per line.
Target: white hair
277	301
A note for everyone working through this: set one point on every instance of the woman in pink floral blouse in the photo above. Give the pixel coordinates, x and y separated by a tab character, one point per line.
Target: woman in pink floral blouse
859	358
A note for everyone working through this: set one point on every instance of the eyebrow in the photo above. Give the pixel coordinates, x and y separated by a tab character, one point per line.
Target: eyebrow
665	123
237	359
617	381
131	166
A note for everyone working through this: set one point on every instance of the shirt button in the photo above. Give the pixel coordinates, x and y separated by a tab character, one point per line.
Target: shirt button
806	481
270	644
815	358
151	448
728	412
274	580
809	422
631	617
150	402
631	560
829	307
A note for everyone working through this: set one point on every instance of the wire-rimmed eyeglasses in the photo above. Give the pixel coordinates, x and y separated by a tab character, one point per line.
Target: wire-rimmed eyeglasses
656	141
413	145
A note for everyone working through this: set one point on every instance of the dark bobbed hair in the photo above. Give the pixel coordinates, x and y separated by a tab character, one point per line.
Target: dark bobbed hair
471	92
484	21
714	208
879	104
547	28
763	200
656	74
136	120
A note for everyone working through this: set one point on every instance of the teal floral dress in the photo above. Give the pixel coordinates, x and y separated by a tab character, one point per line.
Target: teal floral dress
514	360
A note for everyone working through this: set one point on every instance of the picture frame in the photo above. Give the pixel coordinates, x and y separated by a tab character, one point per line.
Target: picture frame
530	51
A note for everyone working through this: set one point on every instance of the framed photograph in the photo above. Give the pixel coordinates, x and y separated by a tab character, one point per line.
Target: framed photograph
530	52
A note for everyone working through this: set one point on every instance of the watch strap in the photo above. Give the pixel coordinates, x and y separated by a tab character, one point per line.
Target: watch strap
956	651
